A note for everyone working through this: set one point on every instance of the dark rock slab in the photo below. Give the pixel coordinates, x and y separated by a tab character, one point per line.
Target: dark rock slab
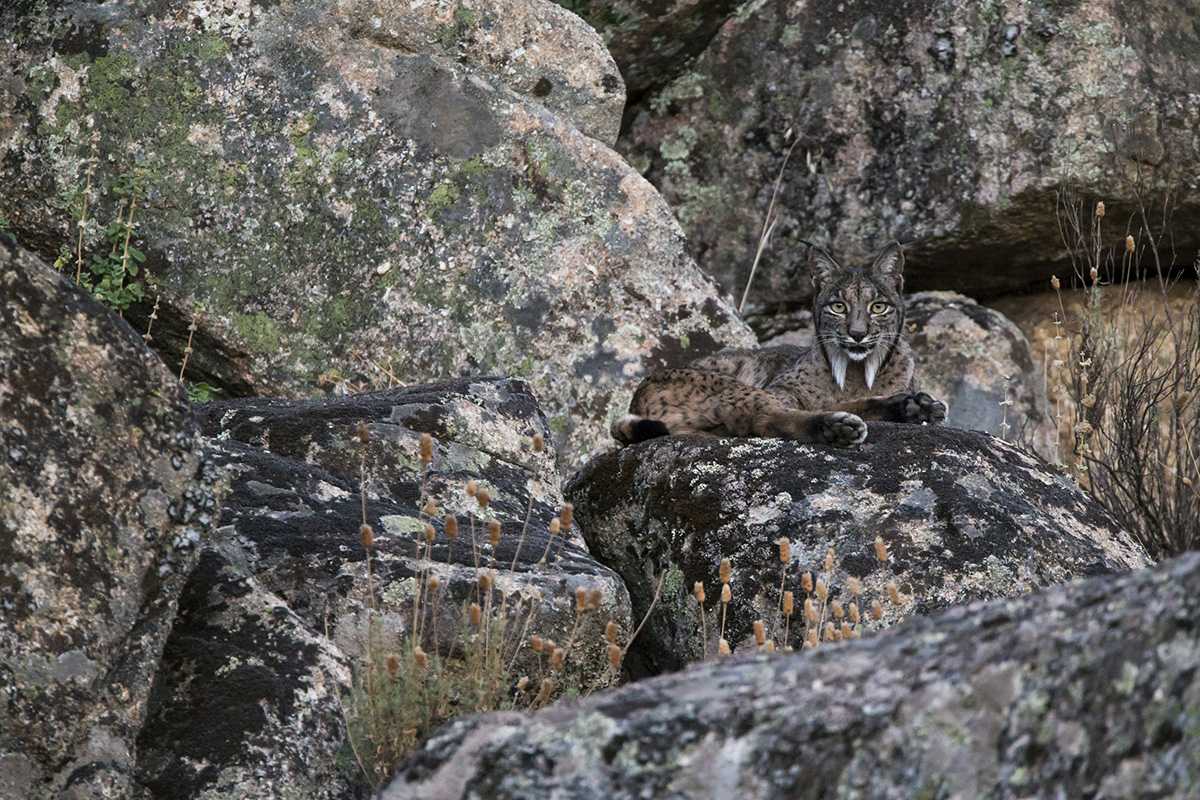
964	515
279	606
1085	690
104	498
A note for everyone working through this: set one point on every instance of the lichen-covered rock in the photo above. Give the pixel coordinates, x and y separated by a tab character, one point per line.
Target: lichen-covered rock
534	47
104	497
1087	690
248	698
278	608
964	516
969	356
950	124
345	211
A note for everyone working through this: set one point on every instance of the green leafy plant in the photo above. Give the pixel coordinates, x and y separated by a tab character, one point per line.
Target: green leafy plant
201	392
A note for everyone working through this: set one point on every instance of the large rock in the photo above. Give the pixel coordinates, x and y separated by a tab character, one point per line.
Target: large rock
348	212
945	123
971	357
1088	690
103	499
278	607
964	515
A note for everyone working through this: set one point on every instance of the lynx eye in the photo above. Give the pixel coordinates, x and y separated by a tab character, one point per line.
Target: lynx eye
837	307
880	308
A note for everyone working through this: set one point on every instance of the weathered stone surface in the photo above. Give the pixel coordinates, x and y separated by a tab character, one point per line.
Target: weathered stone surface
103	499
964	515
971	357
278	607
1087	690
944	123
534	47
344	212
653	41
247	701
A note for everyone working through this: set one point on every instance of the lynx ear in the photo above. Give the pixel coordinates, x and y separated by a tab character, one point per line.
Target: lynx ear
821	265
889	264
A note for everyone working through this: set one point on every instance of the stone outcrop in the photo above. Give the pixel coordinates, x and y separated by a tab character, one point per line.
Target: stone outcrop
1087	690
964	516
277	611
104	498
946	124
353	204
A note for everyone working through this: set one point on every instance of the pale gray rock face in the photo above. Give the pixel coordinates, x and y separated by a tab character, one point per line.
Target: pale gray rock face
104	498
276	613
964	516
1086	690
969	356
351	202
946	124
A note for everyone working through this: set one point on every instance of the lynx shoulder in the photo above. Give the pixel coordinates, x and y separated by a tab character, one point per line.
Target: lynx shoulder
858	368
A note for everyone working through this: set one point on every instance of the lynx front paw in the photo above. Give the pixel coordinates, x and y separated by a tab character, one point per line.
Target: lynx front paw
841	429
917	408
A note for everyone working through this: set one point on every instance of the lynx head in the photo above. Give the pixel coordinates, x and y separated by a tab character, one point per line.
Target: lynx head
858	311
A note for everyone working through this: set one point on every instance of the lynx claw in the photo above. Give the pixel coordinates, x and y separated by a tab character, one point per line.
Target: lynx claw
842	429
918	408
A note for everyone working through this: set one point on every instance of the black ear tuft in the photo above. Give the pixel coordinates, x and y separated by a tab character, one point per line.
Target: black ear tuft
821	265
889	264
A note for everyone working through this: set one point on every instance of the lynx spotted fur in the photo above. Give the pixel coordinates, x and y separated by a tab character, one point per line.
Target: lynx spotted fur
858	368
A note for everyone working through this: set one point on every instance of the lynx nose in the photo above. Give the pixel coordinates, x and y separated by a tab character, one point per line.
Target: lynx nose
858	334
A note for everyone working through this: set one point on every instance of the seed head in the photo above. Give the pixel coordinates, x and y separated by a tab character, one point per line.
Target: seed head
430	508
420	658
831	632
485	581
393	666
362	432
557	657
426	448
837	609
567	515
555	526
1055	283
876	610
785	550
725	570
614	656
698	591
806	582
476	614
522	683
1100	210
1130	245
847	631
535	642
822	590
769	647
483	497
726	593
894	593
472	488
723	647
881	551
810	610
811	640
494	532
760	633
788	604
545	691
539	443
610	632
854	586
549	645
450	526
853	613
580	599
1095	274
829	559
367	534
430	533
595	597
